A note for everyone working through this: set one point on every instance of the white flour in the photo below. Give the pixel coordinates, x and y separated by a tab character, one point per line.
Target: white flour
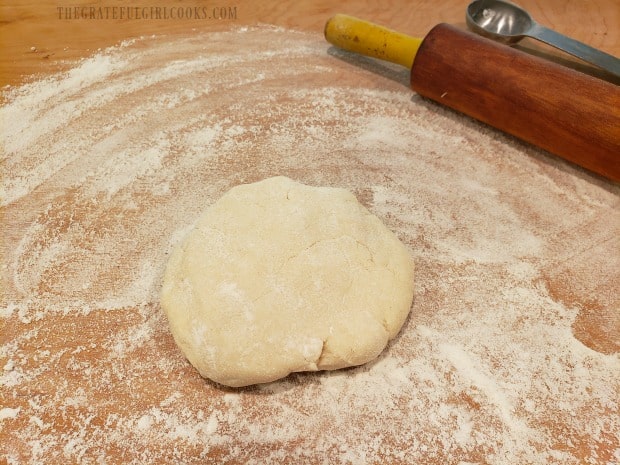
105	167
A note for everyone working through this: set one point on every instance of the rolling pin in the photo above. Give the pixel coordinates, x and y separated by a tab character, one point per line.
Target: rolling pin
561	110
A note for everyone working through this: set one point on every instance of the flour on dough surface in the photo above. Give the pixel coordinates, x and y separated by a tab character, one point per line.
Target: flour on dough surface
279	277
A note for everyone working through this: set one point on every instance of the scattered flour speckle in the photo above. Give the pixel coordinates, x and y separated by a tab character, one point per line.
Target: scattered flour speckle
107	166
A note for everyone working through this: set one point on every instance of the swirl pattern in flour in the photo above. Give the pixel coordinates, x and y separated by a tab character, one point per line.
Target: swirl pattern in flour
106	166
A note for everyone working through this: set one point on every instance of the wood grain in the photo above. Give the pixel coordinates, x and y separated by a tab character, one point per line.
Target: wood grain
512	347
523	95
35	40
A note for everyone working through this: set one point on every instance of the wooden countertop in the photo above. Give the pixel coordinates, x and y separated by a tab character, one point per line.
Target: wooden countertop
39	38
511	353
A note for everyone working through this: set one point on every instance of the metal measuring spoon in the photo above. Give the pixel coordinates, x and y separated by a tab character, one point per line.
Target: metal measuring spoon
508	23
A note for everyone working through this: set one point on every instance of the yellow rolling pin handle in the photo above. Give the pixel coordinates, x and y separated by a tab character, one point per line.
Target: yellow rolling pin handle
359	36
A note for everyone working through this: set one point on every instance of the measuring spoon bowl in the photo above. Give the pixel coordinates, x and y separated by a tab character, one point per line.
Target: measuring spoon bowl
499	20
508	23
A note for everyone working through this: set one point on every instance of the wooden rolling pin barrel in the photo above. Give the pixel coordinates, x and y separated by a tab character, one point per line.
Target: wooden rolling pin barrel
568	113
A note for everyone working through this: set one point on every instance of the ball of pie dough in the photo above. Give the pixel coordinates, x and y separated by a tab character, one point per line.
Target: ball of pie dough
279	277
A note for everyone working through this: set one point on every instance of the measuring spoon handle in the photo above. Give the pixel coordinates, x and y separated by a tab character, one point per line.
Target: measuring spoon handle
576	48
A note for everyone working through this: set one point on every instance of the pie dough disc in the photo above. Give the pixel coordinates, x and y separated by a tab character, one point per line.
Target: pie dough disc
279	277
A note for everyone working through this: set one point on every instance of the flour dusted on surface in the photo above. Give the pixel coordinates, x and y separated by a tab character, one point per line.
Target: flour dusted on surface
124	151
